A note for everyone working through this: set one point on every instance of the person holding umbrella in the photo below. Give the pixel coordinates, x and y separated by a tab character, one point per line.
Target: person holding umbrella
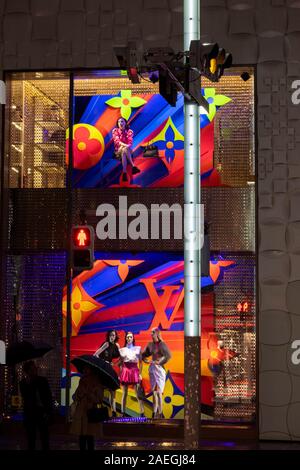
23	351
88	395
97	374
34	389
37	405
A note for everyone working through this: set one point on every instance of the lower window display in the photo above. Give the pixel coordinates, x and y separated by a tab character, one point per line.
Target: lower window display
133	298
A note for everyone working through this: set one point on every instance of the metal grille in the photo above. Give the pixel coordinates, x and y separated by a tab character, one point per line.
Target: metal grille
32	312
231	212
235	387
87	201
9	326
91	85
38	219
234	152
37	112
231	215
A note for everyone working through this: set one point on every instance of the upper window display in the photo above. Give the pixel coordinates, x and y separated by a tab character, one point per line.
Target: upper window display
127	135
124	134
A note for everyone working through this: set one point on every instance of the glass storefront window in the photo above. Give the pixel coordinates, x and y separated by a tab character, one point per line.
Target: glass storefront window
37	114
36	150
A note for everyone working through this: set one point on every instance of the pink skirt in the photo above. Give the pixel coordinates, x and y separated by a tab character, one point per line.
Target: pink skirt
130	374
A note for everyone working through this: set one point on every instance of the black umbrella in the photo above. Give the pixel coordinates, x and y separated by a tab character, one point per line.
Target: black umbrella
25	351
104	370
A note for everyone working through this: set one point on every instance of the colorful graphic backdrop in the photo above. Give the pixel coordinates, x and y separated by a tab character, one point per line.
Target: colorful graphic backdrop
136	293
153	121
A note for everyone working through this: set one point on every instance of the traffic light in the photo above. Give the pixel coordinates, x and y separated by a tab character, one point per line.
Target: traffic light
195	90
82	257
133	75
167	88
209	59
203	55
223	61
127	57
163	60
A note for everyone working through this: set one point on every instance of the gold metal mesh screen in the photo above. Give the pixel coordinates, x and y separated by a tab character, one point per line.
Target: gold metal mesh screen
32	310
91	85
234	149
235	386
37	112
231	212
231	215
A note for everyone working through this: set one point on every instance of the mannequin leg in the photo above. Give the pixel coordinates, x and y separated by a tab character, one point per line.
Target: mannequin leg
129	156
155	403
141	404
124	160
112	401
124	165
135	170
160	403
124	398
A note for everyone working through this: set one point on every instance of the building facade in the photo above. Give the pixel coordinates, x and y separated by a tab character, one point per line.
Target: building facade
75	34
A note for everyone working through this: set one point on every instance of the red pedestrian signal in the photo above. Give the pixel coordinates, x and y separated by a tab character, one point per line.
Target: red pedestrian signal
81	237
243	307
82	247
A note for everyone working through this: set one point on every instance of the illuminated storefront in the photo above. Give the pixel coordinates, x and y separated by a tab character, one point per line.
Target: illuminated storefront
129	279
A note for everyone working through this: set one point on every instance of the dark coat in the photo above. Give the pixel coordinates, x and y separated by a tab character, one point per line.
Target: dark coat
36	396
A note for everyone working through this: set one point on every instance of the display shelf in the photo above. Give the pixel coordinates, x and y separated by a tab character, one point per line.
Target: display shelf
49	147
50	125
50	166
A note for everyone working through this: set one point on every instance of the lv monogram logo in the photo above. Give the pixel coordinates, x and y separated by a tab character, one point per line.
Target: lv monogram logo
160	303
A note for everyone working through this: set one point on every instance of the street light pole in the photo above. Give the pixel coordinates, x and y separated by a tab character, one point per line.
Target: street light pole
192	258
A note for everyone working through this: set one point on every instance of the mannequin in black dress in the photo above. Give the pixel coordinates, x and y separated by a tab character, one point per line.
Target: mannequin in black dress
108	351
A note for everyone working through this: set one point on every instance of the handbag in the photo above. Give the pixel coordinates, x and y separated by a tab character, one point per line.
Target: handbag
150	151
97	415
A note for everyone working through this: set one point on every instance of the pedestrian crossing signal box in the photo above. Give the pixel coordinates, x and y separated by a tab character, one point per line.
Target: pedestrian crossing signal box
82	256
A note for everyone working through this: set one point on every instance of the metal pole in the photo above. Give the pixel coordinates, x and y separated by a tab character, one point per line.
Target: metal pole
192	259
69	245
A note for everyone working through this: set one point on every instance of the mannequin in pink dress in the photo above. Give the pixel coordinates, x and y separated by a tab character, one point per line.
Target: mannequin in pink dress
131	370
